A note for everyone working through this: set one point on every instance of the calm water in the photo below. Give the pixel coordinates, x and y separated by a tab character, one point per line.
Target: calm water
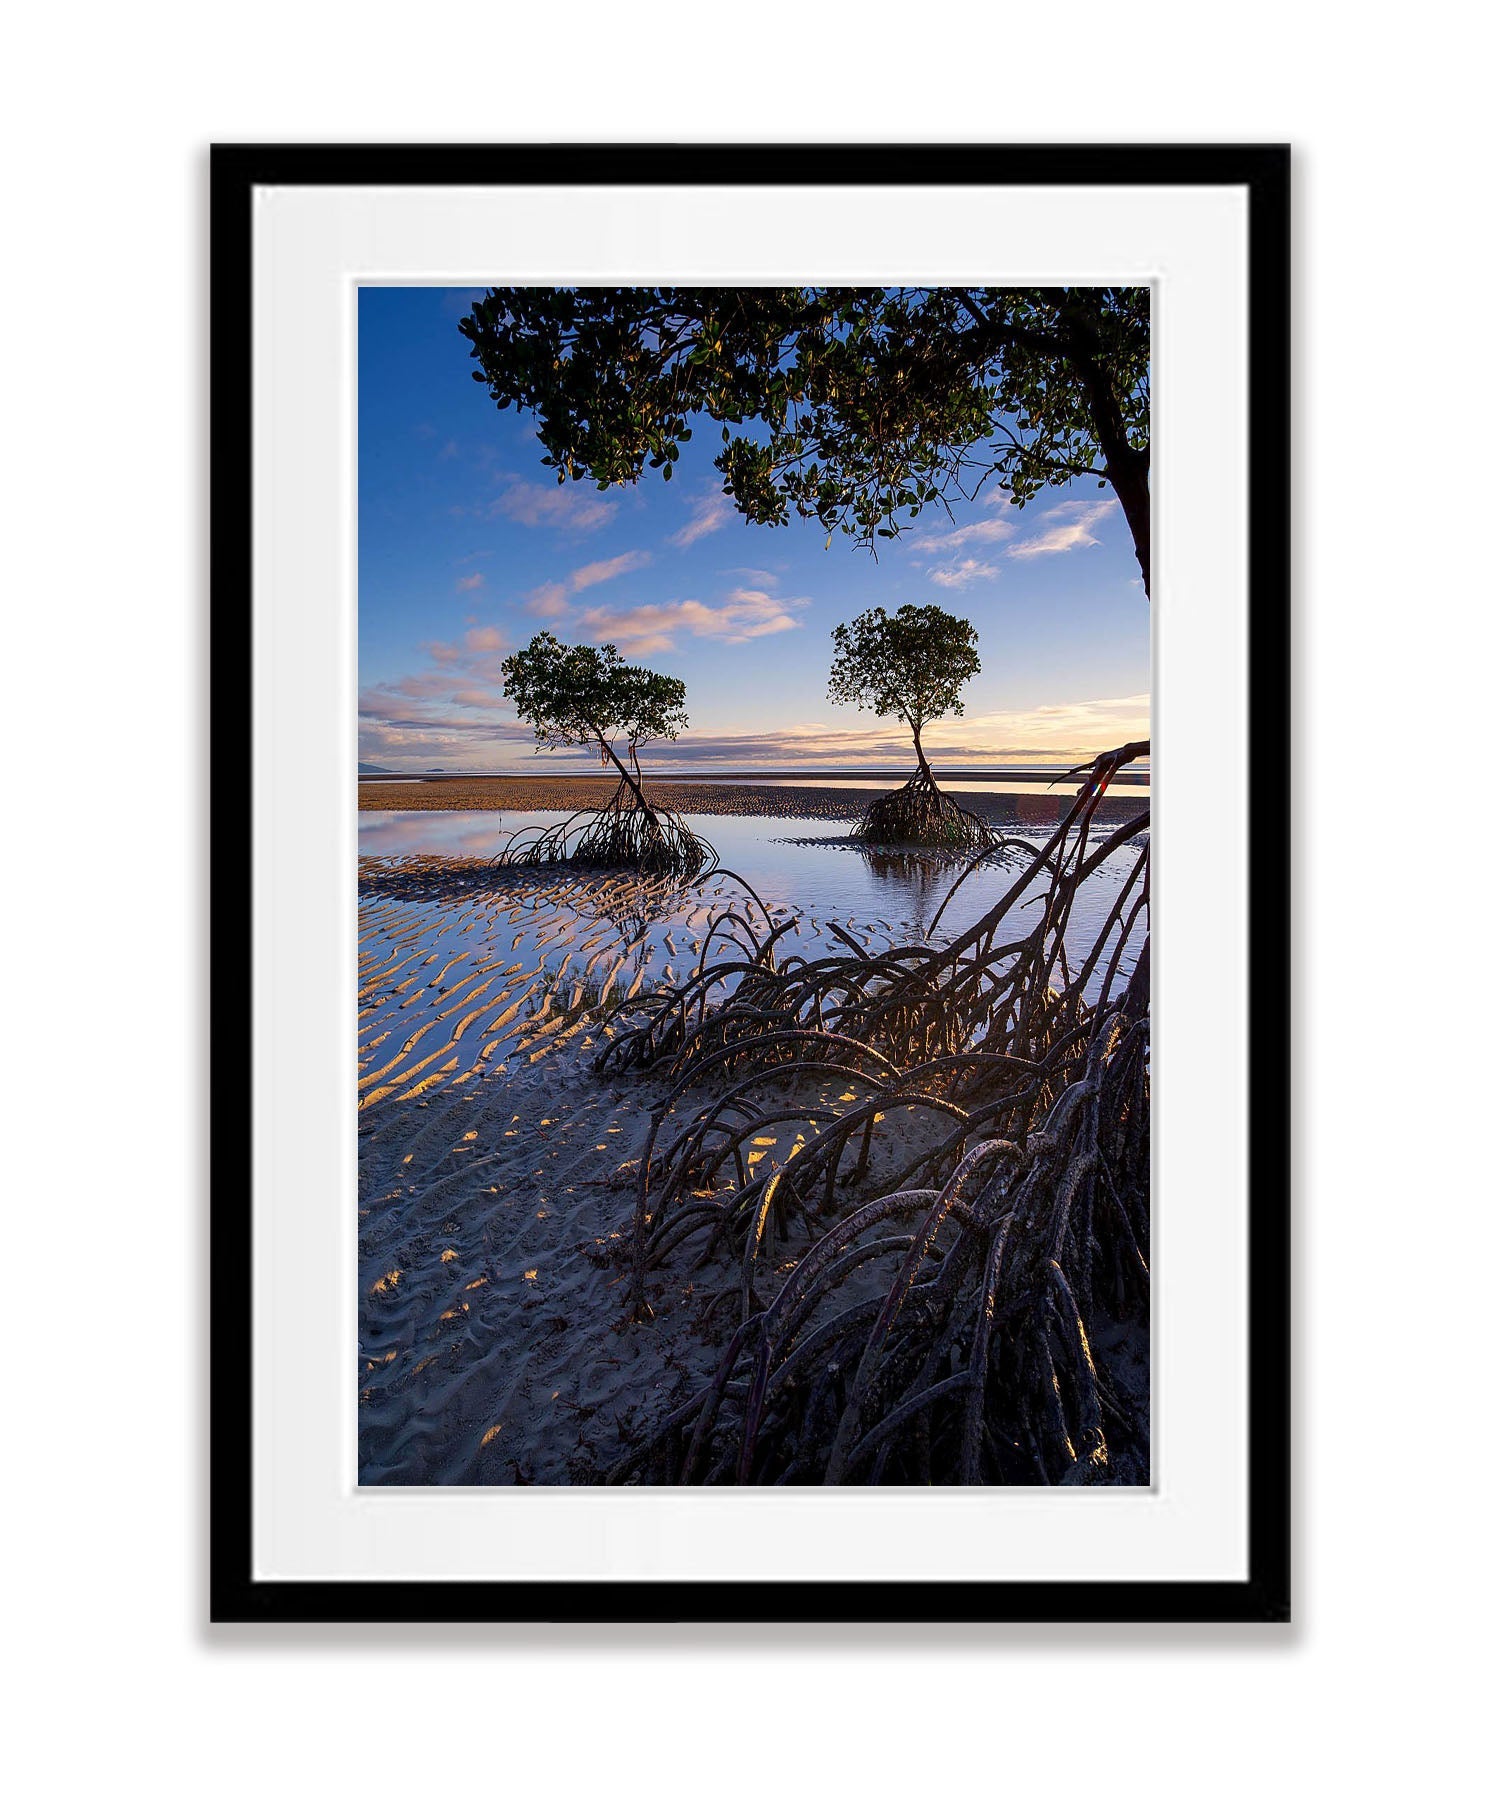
453	979
806	865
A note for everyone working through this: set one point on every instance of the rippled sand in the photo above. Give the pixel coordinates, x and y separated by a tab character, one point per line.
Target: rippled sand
496	1171
464	967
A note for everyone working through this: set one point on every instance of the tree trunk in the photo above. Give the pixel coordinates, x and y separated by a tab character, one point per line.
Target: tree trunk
916	738
1128	471
630	781
1133	490
1076	343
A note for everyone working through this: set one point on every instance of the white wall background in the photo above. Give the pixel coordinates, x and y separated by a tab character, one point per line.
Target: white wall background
116	1681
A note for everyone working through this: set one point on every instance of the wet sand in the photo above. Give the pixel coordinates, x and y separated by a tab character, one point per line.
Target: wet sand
497	1170
572	793
496	1343
494	1338
497	1176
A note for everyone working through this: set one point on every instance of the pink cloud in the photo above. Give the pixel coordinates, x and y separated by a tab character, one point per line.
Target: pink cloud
1071	732
962	574
560	508
549	601
643	630
711	512
591	574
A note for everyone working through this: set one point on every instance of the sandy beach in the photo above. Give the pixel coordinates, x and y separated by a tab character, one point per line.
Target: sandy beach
496	1175
493	1337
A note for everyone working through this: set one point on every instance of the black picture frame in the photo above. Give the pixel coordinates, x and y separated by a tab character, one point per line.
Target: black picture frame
1263	172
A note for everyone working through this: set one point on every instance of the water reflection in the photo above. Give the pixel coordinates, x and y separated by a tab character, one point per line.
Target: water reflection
921	880
464	963
433	833
889	896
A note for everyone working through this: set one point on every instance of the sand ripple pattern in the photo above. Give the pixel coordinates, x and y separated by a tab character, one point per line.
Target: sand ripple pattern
463	967
496	1169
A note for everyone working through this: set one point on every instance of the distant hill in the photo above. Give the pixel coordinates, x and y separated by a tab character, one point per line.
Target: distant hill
373	769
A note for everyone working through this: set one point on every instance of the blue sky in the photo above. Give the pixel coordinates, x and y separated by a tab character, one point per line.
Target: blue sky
467	546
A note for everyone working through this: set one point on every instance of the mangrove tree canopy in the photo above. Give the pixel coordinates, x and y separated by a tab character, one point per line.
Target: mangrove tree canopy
909	665
906	665
857	407
580	694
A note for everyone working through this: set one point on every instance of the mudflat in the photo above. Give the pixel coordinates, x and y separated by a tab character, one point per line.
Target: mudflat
766	800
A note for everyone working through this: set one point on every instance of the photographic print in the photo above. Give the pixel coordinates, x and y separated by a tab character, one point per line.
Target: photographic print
754	1024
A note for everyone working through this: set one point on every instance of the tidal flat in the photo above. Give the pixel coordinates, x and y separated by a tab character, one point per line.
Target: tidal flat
498	1168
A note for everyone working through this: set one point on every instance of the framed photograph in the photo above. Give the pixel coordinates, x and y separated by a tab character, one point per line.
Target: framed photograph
750	866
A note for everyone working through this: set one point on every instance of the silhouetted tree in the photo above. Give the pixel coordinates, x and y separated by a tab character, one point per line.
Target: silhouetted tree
908	665
581	695
865	404
577	694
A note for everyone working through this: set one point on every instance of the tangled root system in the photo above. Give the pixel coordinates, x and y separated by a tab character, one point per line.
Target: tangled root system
627	833
921	815
970	1187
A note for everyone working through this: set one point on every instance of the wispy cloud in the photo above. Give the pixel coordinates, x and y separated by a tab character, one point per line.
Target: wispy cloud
480	640
591	574
443	717
467	584
551	599
419	741
443	714
569	507
645	630
1067	732
982	531
962	574
1075	520
465	679
1072	726
440	687
711	512
1066	526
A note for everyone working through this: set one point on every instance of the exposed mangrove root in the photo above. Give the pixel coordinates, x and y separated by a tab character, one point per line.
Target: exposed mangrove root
627	833
968	1189
920	814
